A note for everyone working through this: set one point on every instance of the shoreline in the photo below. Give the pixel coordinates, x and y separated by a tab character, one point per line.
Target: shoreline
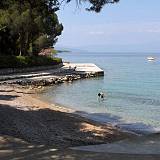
39	122
63	108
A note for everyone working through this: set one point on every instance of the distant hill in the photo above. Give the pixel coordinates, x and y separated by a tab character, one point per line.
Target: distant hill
61	51
69	49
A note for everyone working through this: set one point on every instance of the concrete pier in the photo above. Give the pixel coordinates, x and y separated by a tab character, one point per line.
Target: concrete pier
85	68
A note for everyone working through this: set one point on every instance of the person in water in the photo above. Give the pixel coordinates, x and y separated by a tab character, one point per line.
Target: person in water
101	95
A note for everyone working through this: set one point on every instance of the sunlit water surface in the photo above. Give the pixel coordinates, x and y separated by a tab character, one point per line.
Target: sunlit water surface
131	86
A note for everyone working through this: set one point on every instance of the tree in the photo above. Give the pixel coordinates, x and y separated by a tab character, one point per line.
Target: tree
96	5
29	21
7	42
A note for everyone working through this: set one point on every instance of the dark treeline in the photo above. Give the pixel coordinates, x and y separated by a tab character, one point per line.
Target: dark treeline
27	26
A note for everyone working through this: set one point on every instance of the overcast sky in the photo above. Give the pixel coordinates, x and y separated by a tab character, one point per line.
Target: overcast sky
130	25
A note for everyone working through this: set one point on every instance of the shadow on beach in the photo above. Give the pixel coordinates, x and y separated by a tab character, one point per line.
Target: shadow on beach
18	149
47	134
47	127
44	153
8	97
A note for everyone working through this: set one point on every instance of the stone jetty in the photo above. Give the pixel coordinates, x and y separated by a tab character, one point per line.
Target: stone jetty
67	72
85	68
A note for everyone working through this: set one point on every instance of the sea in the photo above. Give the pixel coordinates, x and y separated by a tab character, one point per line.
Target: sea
131	87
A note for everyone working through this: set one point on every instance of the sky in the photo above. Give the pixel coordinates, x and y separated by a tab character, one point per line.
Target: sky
128	26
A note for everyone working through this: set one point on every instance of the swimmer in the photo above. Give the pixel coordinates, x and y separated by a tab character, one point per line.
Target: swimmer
101	95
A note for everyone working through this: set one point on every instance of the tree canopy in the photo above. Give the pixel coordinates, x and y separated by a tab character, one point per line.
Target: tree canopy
96	5
29	25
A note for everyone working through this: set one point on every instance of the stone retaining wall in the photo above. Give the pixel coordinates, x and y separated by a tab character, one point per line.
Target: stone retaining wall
8	71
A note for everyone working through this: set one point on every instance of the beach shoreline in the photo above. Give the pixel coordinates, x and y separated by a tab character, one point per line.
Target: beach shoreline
25	116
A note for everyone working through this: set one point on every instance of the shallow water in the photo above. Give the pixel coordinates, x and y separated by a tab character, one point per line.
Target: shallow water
131	86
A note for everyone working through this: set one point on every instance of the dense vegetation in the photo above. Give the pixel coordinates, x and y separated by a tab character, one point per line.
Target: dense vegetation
27	61
28	27
97	5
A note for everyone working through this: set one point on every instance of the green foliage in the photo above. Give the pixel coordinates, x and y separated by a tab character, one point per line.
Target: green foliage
54	52
97	5
27	61
34	24
7	42
42	42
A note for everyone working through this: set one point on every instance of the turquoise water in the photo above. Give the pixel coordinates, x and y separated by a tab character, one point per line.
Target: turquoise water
131	85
